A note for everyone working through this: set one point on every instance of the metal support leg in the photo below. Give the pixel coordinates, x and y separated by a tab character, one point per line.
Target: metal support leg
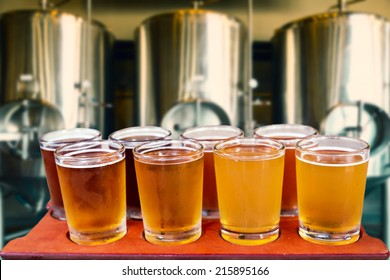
1	218
387	214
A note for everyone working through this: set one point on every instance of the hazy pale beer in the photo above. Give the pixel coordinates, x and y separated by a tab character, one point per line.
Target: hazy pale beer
131	137
209	136
289	135
331	179
48	143
92	177
170	176
249	174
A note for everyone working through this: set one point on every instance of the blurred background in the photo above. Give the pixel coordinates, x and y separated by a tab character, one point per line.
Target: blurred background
119	63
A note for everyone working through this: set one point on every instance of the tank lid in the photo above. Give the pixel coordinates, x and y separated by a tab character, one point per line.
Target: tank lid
29	13
196	13
327	17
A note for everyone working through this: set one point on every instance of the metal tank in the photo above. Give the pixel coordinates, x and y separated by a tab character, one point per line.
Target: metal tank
332	71
64	56
192	70
54	74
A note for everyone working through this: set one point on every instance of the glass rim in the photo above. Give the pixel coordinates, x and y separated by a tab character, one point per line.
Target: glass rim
140	151
238	132
126	132
71	151
314	140
278	131
53	144
280	148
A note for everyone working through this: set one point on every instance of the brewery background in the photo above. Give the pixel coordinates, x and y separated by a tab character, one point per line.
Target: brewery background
112	64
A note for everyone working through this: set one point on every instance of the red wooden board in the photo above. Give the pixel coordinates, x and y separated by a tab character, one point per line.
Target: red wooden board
49	240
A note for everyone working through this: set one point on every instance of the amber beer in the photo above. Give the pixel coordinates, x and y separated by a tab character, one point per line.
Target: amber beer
331	184
170	176
208	136
48	143
289	194
249	176
56	203
131	137
92	176
210	197
289	135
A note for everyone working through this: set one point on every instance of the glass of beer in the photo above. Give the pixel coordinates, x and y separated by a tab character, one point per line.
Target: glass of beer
92	177
48	143
131	137
289	135
331	180
170	178
209	136
249	173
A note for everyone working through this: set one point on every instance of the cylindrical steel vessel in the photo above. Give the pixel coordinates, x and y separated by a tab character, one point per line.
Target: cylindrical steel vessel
332	72
192	70
66	58
53	74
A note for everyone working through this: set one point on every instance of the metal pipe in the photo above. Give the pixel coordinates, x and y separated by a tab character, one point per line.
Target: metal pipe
85	100
249	115
43	4
2	238
88	62
342	5
197	4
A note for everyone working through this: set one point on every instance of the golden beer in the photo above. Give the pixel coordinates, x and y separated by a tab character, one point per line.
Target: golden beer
249	185
335	204
331	186
93	186
131	137
170	188
289	135
209	136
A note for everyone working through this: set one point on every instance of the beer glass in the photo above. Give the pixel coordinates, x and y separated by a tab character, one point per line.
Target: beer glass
331	179
249	173
209	136
289	135
48	143
92	177
170	177
131	137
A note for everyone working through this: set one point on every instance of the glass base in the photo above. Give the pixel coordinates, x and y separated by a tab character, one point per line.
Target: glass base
329	238
98	238
133	213
173	238
57	213
250	239
210	214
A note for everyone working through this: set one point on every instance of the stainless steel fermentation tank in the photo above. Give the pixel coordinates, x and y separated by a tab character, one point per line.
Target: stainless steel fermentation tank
54	74
192	70
66	57
333	72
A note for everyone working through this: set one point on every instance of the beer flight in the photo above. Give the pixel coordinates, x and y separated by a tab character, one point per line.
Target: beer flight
210	172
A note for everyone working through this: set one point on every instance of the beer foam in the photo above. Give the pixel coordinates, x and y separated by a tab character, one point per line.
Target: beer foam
167	156
250	152
88	160
329	163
